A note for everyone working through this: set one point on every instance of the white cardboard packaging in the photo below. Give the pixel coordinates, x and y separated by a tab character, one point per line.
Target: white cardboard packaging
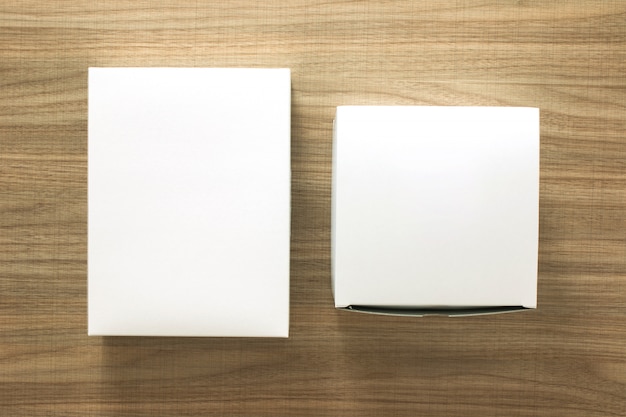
435	209
189	202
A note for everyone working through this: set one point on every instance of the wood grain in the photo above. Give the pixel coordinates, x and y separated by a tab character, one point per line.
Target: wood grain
567	358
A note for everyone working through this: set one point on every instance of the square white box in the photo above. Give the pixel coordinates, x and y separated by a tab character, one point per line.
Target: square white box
189	202
435	209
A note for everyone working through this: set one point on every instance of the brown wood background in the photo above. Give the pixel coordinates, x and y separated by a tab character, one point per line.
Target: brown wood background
567	358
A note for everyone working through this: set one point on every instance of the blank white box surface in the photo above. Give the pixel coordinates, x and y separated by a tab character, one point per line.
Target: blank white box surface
189	202
435	207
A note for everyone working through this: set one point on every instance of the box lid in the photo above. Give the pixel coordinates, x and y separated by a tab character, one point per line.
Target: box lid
435	209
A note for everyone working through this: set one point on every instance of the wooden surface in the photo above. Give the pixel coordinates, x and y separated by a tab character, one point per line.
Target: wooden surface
567	358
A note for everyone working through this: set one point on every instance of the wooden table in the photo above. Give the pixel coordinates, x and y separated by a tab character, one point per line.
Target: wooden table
567	358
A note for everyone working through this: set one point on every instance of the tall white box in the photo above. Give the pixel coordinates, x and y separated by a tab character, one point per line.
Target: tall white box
189	202
435	209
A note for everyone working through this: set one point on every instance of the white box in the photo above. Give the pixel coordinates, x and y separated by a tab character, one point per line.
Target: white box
435	209
189	202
